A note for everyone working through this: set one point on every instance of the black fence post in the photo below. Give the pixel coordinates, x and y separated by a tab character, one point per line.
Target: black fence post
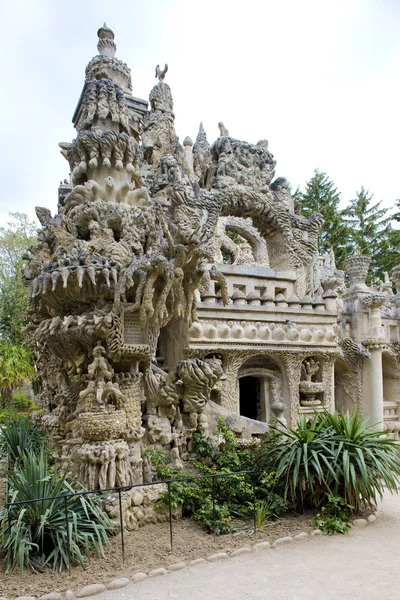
8	492
8	472
68	532
254	502
121	523
9	519
170	515
213	502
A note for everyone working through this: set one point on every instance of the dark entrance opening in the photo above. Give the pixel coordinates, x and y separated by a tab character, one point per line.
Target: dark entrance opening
249	390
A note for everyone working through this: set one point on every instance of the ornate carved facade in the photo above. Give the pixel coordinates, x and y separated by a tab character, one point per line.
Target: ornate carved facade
181	282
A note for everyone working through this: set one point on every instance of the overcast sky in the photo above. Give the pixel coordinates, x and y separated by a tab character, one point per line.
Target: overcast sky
318	79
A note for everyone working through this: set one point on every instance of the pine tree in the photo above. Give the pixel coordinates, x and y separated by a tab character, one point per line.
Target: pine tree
322	196
370	232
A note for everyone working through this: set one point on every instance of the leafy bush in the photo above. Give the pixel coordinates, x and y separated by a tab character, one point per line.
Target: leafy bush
334	517
38	536
205	515
8	413
20	401
233	494
339	454
15	368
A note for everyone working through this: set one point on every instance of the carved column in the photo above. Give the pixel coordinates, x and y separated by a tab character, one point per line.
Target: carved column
328	378
374	380
131	386
292	364
229	392
373	396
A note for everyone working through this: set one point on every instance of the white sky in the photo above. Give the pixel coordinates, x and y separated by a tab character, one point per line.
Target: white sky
318	79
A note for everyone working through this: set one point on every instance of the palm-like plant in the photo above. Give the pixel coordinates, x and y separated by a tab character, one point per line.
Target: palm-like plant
302	457
366	460
18	436
338	454
56	532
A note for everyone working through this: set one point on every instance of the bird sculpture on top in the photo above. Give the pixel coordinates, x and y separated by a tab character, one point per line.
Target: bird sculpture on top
161	74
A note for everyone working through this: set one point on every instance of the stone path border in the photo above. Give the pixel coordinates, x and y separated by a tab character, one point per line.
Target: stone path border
94	589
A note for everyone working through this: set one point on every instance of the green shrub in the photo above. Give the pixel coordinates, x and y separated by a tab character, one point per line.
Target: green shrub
8	413
205	515
20	401
334	516
233	494
38	536
339	454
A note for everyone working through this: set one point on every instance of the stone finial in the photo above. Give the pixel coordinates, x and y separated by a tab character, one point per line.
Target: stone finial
357	270
188	141
161	73
223	132
106	45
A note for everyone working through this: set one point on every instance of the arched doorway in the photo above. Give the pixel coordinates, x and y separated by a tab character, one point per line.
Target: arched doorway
259	387
250	400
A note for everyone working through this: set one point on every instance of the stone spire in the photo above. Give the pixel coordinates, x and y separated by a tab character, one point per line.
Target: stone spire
106	45
201	152
158	135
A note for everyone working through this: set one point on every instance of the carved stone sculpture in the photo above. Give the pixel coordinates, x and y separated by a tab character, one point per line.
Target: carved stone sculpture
179	283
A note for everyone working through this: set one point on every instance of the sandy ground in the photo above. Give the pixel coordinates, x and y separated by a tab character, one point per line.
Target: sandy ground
362	565
146	549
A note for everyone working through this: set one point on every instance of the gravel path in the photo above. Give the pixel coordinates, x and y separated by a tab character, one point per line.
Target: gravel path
362	565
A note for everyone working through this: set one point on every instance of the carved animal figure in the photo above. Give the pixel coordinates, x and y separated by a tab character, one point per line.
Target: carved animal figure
161	73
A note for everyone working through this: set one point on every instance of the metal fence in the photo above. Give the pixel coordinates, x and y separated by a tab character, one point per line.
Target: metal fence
119	490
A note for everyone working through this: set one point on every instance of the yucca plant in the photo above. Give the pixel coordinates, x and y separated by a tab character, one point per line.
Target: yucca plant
366	460
302	458
18	436
54	532
339	454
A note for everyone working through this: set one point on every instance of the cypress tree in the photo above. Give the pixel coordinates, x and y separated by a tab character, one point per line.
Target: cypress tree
371	233
322	196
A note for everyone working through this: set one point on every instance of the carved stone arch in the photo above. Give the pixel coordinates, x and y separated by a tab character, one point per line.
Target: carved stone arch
248	232
256	372
260	386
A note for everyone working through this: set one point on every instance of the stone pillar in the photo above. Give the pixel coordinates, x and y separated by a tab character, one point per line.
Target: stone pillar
374	380
373	391
188	162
